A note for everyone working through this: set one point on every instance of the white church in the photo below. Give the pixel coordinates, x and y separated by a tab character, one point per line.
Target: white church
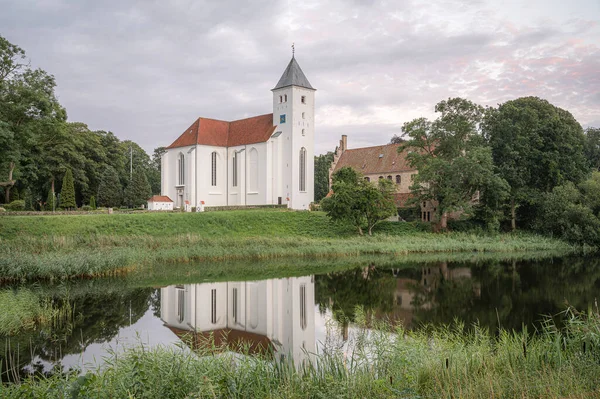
276	313
265	159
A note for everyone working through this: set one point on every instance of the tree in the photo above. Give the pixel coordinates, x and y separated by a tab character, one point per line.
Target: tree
138	191
592	146
453	163
396	139
50	201
536	147
110	192
322	165
359	202
93	203
67	192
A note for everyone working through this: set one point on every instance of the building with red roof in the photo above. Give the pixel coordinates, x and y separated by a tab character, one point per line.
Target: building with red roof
260	160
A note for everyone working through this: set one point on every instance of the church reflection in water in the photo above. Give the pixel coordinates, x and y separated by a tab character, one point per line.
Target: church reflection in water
275	316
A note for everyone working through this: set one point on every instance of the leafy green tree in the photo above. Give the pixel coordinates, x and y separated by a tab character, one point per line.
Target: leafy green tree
536	147
138	191
50	201
454	164
93	202
67	193
359	202
592	146
28	198
110	192
322	165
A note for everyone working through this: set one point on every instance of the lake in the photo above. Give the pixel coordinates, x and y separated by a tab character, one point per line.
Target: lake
295	315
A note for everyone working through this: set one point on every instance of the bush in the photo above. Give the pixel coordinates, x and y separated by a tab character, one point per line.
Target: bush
18	205
411	214
86	208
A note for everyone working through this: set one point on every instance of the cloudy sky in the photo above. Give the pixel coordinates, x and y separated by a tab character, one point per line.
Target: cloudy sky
147	69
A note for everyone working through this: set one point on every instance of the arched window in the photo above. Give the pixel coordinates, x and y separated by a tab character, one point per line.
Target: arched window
398	179
380	177
180	302
253	170
213	181
303	306
389	177
234	162
367	179
302	161
181	169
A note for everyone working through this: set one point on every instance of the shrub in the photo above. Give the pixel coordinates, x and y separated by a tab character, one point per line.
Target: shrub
18	205
93	203
86	208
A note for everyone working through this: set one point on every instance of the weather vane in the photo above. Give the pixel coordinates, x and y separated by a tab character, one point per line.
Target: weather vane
293	49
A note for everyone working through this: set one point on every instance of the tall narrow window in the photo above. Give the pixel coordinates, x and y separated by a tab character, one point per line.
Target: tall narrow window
398	179
234	170
303	306
234	303
181	169
302	180
214	169
253	170
180	303
213	306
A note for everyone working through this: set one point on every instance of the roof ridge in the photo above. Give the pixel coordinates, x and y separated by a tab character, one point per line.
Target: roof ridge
373	146
251	117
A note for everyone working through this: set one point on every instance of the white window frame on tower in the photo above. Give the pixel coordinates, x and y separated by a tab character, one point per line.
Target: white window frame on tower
285	98
302	170
303	99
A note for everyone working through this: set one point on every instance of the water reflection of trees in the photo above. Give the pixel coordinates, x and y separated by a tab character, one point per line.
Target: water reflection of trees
97	318
512	294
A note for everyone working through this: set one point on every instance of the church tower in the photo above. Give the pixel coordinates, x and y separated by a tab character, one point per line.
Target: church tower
293	114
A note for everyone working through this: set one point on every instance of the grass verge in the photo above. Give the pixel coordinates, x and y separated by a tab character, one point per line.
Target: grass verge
60	247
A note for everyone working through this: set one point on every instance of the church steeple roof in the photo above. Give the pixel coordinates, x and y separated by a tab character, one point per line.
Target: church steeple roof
293	76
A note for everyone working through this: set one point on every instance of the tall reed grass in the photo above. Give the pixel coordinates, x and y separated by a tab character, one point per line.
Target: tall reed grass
382	362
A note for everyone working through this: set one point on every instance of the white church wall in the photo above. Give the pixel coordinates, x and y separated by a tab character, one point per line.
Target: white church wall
212	195
235	193
203	298
169	175
256	174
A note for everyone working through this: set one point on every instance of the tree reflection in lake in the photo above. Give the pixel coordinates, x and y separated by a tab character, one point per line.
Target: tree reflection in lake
513	294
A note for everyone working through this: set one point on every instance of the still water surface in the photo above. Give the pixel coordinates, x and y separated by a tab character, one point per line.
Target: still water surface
299	315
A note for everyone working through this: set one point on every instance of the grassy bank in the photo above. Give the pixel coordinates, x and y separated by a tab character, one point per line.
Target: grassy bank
387	362
48	247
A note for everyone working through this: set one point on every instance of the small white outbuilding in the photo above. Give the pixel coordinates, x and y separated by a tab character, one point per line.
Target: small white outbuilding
160	203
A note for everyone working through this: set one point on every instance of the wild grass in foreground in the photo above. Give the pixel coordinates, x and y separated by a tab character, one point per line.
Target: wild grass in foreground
385	362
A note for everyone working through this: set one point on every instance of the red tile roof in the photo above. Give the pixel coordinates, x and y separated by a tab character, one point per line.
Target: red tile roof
256	129
373	160
160	198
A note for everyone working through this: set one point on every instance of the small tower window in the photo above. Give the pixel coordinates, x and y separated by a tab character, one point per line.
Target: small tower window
304	115
303	99
398	179
285	98
303	132
280	99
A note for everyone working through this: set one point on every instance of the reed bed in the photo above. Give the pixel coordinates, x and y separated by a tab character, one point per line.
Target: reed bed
89	246
382	361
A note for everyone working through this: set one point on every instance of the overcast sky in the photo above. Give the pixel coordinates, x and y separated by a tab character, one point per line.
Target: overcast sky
146	70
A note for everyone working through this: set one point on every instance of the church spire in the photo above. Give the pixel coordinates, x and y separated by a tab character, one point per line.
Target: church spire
293	75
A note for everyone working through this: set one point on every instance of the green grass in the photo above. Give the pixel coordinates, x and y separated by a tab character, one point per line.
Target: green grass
385	362
59	247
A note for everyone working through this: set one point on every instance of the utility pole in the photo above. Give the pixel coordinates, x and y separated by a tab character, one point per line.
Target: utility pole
130	163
